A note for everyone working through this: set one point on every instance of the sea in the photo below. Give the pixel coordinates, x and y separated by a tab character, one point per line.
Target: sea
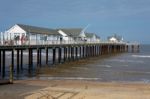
122	67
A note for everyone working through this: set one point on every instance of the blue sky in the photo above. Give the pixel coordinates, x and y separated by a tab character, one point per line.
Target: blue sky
129	18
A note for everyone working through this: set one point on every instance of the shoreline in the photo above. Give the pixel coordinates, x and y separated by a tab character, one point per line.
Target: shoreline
74	89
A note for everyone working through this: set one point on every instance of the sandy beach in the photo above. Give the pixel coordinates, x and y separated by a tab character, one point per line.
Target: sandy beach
74	89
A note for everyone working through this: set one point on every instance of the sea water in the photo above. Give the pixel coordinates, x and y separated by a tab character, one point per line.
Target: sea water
130	67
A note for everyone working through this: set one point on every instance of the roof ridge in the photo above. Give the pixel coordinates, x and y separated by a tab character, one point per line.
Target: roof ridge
34	26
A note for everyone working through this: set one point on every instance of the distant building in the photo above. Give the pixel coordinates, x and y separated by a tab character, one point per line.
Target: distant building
72	34
91	37
115	38
25	34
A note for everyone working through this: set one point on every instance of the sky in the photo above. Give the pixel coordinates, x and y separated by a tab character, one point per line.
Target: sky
128	18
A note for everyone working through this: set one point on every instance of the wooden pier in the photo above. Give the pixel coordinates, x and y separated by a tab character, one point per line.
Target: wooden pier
66	52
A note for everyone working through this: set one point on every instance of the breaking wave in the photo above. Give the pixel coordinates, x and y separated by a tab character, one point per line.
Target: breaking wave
70	78
141	56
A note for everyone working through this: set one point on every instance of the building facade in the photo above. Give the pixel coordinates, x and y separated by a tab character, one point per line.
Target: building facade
20	34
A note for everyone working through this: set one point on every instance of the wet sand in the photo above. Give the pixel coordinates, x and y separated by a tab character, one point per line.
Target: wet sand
74	89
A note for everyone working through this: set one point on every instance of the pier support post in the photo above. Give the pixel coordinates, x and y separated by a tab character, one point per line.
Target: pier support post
21	62
12	59
59	55
76	53
0	63
132	48
69	52
3	67
138	48
72	53
93	50
54	55
87	51
18	61
46	55
65	53
83	51
30	60
80	51
38	55
100	50
91	53
11	67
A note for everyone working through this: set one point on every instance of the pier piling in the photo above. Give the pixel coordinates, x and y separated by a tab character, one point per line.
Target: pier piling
3	67
17	61
54	55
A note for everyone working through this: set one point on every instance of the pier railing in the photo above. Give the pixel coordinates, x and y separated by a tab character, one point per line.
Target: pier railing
54	42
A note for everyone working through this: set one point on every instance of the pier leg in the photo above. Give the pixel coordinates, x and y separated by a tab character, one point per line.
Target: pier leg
21	63
132	46
76	53
65	54
92	50
11	74
83	52
80	50
17	61
0	63
30	60
59	56
3	67
69	53
46	56
72	52
38	55
12	59
86	51
54	55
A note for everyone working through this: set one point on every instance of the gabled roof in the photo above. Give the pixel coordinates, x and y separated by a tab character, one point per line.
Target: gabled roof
38	30
90	35
74	32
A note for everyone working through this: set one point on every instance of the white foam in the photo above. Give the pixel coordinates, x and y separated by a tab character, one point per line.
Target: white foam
141	56
126	60
145	80
108	66
68	78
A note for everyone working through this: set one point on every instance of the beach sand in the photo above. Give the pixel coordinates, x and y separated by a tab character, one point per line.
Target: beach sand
74	89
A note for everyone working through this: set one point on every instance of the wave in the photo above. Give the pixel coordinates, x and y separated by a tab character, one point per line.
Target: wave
141	56
126	60
69	78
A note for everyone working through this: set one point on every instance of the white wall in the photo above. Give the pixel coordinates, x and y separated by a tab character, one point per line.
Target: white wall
64	35
15	29
112	39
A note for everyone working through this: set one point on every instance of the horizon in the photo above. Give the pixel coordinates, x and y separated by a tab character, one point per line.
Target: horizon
128	18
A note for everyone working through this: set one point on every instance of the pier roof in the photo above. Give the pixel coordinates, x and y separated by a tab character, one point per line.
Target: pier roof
39	30
90	35
75	32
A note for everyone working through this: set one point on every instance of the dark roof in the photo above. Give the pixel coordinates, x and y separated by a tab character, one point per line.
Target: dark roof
38	30
89	35
75	32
